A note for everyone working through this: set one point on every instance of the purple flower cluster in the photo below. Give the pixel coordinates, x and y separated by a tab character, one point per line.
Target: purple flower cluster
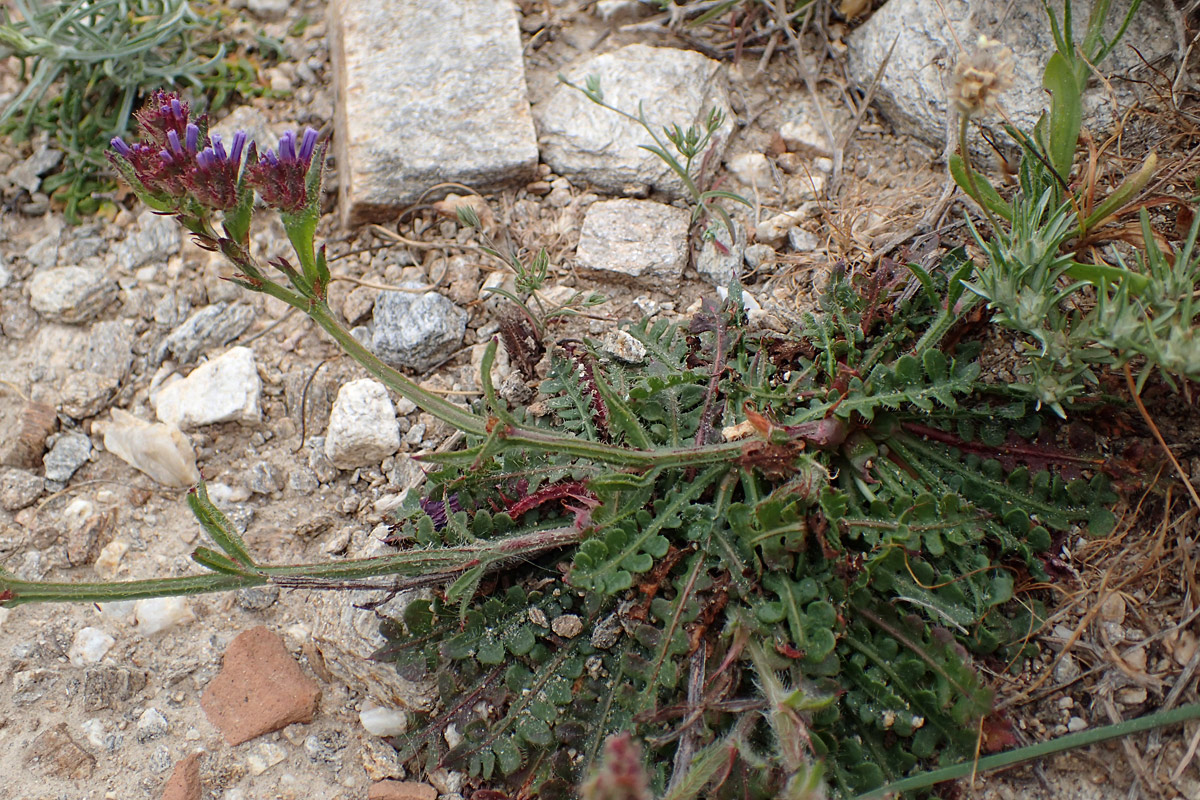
280	178
177	160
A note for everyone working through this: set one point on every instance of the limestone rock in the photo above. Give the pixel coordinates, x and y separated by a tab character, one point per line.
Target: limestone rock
720	256
635	241
89	646
584	142
362	426
208	328
416	330
913	90
69	453
226	389
414	111
155	238
19	488
71	294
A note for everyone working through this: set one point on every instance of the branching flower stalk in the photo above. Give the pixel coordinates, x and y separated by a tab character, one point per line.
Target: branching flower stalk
178	168
769	558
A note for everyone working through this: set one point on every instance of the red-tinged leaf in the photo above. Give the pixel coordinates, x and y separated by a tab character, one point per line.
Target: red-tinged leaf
997	734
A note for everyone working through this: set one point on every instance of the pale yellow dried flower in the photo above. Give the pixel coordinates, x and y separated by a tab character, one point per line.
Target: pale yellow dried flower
981	77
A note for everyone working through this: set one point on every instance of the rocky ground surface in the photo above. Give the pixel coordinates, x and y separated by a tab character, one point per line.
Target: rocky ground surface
129	367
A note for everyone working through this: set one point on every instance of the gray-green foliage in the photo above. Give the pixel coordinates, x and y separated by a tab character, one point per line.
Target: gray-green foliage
84	64
1077	316
852	558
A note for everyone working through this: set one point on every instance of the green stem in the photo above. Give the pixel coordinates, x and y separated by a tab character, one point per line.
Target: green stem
429	402
433	565
477	425
1068	742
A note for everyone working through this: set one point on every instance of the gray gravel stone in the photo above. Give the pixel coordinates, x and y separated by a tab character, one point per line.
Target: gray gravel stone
323	470
635	241
268	9
155	238
303	480
416	330
257	598
31	685
427	92
585	142
69	452
71	294
720	258
759	256
28	174
6	275
362	426
151	725
265	478
207	329
19	488
86	241
802	241
325	746
913	90
43	254
110	687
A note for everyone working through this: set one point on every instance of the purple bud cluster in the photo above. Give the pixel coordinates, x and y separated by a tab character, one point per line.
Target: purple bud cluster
177	159
280	178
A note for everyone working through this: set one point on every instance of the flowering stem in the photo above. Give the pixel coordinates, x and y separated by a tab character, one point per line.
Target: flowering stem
435	565
477	425
429	402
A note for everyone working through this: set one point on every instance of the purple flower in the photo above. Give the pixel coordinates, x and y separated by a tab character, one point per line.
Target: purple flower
213	179
280	177
165	113
440	510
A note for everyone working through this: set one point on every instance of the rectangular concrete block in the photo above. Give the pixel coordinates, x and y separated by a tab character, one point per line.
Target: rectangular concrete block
427	92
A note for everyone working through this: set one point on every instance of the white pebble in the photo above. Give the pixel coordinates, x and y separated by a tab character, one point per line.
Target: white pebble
160	613
380	721
269	754
109	559
78	512
226	389
1076	724
89	647
362	426
118	609
96	732
151	724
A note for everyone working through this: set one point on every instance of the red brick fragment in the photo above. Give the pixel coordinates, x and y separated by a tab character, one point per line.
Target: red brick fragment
259	689
401	790
184	783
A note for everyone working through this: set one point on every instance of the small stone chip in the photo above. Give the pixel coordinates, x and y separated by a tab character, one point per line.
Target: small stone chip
184	783
567	626
259	689
55	753
401	790
622	346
